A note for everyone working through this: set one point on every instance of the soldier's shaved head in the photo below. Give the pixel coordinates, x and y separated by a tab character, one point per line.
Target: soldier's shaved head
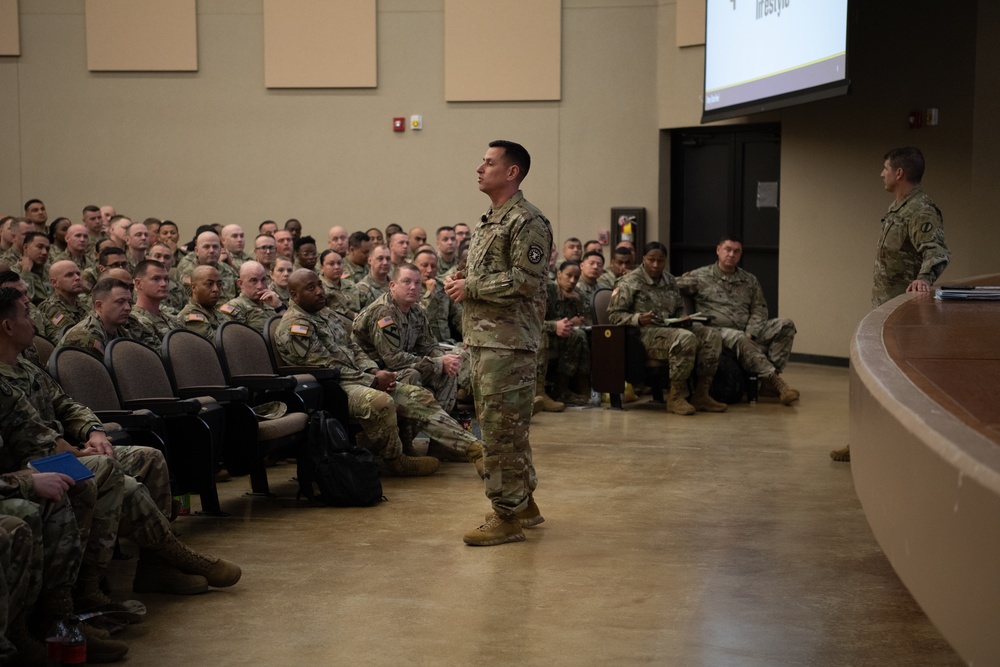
59	269
299	278
203	272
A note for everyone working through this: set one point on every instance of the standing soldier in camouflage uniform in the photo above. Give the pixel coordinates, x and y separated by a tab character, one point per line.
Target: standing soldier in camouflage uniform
108	320
395	330
911	253
735	301
307	336
646	298
503	308
341	294
68	304
376	283
199	314
565	311
256	304
149	322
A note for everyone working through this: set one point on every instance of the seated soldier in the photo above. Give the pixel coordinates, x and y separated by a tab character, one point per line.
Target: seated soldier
443	314
109	257
341	294
305	253
199	314
233	242
376	283
591	268
281	270
256	304
19	227
621	263
148	322
133	483
112	303
359	246
395	331
308	337
76	249
34	258
68	305
207	250
735	301
646	298
447	248
176	294
565	312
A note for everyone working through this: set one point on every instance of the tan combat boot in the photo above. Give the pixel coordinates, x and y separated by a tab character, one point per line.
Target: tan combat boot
546	403
412	466
219	572
153	575
701	400
677	400
495	531
529	517
784	392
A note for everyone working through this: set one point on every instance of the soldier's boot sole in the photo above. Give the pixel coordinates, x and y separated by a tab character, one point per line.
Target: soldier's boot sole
412	466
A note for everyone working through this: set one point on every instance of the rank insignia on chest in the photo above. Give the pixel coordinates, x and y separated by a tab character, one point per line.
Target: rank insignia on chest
227	308
195	317
299	329
384	322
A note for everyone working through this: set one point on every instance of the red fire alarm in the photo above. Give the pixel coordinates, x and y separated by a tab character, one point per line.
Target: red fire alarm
399	124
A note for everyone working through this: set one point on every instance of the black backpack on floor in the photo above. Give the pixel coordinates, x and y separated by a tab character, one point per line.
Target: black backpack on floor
346	476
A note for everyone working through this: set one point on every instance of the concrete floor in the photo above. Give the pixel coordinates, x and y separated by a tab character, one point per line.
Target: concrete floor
709	540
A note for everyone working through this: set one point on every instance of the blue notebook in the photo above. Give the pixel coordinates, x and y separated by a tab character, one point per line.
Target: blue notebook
65	463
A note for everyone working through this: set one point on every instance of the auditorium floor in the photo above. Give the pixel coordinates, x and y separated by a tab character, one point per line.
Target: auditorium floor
709	540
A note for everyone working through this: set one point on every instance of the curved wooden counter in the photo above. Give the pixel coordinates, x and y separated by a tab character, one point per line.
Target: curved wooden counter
925	455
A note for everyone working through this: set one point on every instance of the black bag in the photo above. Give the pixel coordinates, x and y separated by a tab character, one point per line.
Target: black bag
346	476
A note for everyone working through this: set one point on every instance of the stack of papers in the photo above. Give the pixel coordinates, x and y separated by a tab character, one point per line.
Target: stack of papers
968	292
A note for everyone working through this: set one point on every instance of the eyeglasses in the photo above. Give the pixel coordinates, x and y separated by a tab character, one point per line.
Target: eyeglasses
118	265
267	248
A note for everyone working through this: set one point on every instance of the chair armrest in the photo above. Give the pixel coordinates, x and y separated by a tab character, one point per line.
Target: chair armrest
166	407
318	372
264	382
237	394
127	419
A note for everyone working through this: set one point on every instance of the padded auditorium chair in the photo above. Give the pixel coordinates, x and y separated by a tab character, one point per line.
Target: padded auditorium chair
43	348
194	369
194	426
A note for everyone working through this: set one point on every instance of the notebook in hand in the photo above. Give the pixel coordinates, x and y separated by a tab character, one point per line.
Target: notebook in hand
65	463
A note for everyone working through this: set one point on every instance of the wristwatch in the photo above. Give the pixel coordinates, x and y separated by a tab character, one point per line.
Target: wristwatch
99	428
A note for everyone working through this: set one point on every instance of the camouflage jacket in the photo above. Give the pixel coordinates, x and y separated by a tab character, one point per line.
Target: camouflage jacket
443	315
368	290
445	265
23	437
504	304
227	277
315	339
202	321
735	301
50	405
637	293
910	246
176	297
86	262
353	272
587	292
39	287
401	340
151	329
89	334
607	279
282	293
242	309
236	261
342	298
58	314
558	306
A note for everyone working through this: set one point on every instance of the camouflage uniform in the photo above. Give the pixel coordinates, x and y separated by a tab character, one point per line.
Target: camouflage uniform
573	359
16	565
316	339
910	246
443	314
243	309
341	298
11	258
151	329
607	280
58	314
684	350
228	289
39	287
195	317
502	322
736	304
445	265
89	335
404	340
587	293
176	297
282	293
236	261
369	290
353	272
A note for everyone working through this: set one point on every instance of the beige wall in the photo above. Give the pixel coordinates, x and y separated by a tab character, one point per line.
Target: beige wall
216	146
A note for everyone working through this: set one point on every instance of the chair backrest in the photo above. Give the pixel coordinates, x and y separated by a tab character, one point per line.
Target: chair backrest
43	347
271	328
136	370
599	305
191	361
84	378
242	350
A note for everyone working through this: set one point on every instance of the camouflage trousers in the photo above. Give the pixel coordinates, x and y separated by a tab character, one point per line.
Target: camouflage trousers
380	414
54	555
443	386
684	350
504	388
766	355
16	563
573	354
148	466
776	337
465	370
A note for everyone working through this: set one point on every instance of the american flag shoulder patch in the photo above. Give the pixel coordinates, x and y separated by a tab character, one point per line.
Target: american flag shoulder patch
299	329
384	322
195	317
